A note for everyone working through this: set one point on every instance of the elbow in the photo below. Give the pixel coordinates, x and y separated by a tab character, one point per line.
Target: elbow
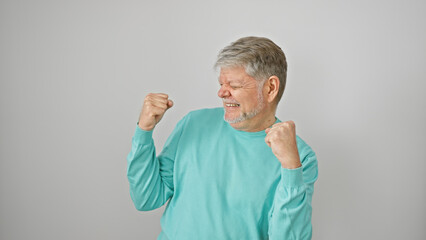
142	204
143	207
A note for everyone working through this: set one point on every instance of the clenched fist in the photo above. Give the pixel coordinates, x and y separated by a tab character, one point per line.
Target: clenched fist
281	138
154	107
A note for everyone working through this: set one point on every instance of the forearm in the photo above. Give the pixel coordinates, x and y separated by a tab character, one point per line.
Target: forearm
147	188
292	211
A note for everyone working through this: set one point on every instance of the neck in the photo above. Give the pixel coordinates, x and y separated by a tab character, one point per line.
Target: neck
260	122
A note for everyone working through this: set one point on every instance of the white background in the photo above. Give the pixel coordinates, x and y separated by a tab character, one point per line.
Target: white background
74	74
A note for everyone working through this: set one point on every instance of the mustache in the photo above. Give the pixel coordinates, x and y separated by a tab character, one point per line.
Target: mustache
229	101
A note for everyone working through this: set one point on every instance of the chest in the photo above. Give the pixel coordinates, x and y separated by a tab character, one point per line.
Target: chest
239	173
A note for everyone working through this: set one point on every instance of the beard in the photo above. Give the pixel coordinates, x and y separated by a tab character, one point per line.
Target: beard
250	114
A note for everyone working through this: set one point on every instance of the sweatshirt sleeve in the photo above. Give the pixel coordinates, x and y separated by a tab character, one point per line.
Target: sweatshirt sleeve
150	177
290	217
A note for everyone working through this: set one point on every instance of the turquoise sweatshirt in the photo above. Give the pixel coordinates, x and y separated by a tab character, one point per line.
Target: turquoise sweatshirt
221	183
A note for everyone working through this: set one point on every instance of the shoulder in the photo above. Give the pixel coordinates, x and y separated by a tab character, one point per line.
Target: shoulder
309	161
305	151
206	112
210	117
202	121
206	115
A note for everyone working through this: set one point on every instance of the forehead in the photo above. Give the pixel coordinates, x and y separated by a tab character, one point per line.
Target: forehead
234	74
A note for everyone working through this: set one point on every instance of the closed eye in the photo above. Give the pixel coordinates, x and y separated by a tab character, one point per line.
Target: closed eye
231	85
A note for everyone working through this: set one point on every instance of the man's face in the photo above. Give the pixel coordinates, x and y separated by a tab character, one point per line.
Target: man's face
242	97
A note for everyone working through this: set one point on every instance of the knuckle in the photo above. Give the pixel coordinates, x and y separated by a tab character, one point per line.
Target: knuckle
288	125
161	95
147	103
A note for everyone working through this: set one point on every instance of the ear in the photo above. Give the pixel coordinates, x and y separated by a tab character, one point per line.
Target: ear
273	84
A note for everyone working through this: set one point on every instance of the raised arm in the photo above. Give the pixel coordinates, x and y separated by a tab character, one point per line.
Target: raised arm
150	177
290	216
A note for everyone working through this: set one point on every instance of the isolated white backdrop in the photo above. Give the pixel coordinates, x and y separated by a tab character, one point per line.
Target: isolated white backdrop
74	74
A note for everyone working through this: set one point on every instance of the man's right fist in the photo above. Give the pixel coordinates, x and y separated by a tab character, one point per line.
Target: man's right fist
153	109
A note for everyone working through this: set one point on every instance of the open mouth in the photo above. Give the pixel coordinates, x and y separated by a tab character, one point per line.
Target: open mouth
232	104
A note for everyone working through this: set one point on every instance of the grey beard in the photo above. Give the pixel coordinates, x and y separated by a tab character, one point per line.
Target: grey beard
245	116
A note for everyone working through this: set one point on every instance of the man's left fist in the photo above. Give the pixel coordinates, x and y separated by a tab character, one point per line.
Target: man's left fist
281	138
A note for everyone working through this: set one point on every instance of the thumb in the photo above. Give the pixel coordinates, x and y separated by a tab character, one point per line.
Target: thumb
267	130
169	104
267	141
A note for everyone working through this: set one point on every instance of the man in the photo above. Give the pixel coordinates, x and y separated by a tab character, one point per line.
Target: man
235	172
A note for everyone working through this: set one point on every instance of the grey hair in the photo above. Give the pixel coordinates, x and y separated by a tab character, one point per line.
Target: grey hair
260	57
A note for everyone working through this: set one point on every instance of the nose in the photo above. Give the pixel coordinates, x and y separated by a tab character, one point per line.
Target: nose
223	92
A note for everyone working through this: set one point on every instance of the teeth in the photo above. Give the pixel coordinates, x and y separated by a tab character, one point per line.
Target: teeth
232	105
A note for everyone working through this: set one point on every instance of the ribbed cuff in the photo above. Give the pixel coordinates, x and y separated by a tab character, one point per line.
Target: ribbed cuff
292	177
142	136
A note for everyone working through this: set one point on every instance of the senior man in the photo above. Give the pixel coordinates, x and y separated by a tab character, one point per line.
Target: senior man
235	172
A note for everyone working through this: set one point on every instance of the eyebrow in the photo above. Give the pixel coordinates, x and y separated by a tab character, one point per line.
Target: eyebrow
241	81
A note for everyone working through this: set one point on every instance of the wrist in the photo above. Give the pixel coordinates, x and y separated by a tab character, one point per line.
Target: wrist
291	166
291	163
145	128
